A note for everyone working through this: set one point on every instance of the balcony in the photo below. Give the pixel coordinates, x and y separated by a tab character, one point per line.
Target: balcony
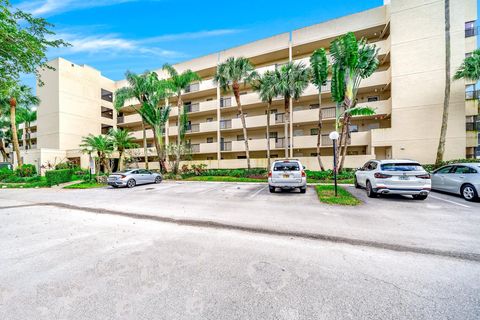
204	148
225	124
252	122
193	128
471	108
226	146
253	145
473	139
200	86
225	102
203	106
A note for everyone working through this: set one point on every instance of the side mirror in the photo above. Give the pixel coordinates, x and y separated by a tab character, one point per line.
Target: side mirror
359	169
304	167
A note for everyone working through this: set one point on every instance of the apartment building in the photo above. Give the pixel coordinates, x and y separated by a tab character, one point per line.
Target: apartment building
407	92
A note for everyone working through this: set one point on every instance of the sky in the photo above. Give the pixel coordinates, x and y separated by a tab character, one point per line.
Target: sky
114	36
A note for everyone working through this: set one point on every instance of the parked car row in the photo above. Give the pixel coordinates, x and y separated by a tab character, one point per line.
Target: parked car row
407	177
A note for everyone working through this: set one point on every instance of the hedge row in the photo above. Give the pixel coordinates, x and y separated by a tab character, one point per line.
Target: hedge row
55	177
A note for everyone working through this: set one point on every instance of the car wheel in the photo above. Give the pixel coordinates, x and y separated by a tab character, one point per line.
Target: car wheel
469	193
158	179
355	182
420	196
131	183
370	192
303	190
272	189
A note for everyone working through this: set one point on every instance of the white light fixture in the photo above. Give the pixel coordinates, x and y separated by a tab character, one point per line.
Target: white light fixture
333	135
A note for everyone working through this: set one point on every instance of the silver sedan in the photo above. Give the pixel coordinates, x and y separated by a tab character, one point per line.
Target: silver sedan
131	178
459	178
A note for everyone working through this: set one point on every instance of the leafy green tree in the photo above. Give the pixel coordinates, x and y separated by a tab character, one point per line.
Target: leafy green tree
179	82
122	140
353	61
291	80
230	74
102	145
27	115
24	41
266	86
16	95
446	97
4	137
319	65
138	90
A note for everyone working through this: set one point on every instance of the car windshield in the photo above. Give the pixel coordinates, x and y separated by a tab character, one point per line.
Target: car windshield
123	172
401	167
286	166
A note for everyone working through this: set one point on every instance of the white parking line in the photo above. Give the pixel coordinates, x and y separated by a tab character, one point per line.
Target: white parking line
458	204
257	192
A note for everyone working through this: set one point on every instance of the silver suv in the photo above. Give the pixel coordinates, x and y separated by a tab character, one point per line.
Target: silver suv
287	175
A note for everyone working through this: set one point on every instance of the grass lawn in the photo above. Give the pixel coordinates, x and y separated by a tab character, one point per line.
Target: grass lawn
347	181
224	179
326	194
85	185
38	184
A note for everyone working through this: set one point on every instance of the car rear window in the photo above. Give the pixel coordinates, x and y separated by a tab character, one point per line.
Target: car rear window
401	167
286	166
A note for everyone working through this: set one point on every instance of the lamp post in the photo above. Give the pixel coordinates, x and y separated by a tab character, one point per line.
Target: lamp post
334	137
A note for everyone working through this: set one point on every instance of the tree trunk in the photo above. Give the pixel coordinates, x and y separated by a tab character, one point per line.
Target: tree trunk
121	155
319	133
345	141
179	142
157	138
268	134
236	92
16	146
446	99
3	152
145	151
285	126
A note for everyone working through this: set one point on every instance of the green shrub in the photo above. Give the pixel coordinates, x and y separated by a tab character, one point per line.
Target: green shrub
5	173
328	174
67	165
26	170
55	177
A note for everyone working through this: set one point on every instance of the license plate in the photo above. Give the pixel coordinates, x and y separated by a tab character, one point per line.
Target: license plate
286	176
404	178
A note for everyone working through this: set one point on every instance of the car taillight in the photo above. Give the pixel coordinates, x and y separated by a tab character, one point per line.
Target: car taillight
270	174
122	176
303	174
379	175
424	176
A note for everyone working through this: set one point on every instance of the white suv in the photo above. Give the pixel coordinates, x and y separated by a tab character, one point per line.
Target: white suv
405	177
287	175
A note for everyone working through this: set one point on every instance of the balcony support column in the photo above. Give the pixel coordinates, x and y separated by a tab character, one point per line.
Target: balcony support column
167	125
290	135
219	155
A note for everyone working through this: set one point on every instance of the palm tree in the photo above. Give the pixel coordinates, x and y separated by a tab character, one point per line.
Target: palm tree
180	82
291	80
137	89
470	68
230	74
122	140
265	85
13	96
27	116
352	61
102	145
156	115
319	66
4	125
446	98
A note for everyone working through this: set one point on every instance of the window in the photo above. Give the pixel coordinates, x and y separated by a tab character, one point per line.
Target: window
273	111
210	140
468	54
314	131
352	153
107	113
192	87
373	98
209	99
314	154
106	128
286	166
298	132
470	92
143	171
314	106
402	167
444	170
464	169
273	135
240	137
209	119
241	157
372	166
353	128
107	95
225	102
469	29
209	158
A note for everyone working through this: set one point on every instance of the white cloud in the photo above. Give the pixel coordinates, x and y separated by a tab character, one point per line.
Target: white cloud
52	7
191	35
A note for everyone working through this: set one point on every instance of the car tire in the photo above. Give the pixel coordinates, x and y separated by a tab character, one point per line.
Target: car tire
272	189
131	183
303	190
158	179
355	182
370	192
420	196
469	192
